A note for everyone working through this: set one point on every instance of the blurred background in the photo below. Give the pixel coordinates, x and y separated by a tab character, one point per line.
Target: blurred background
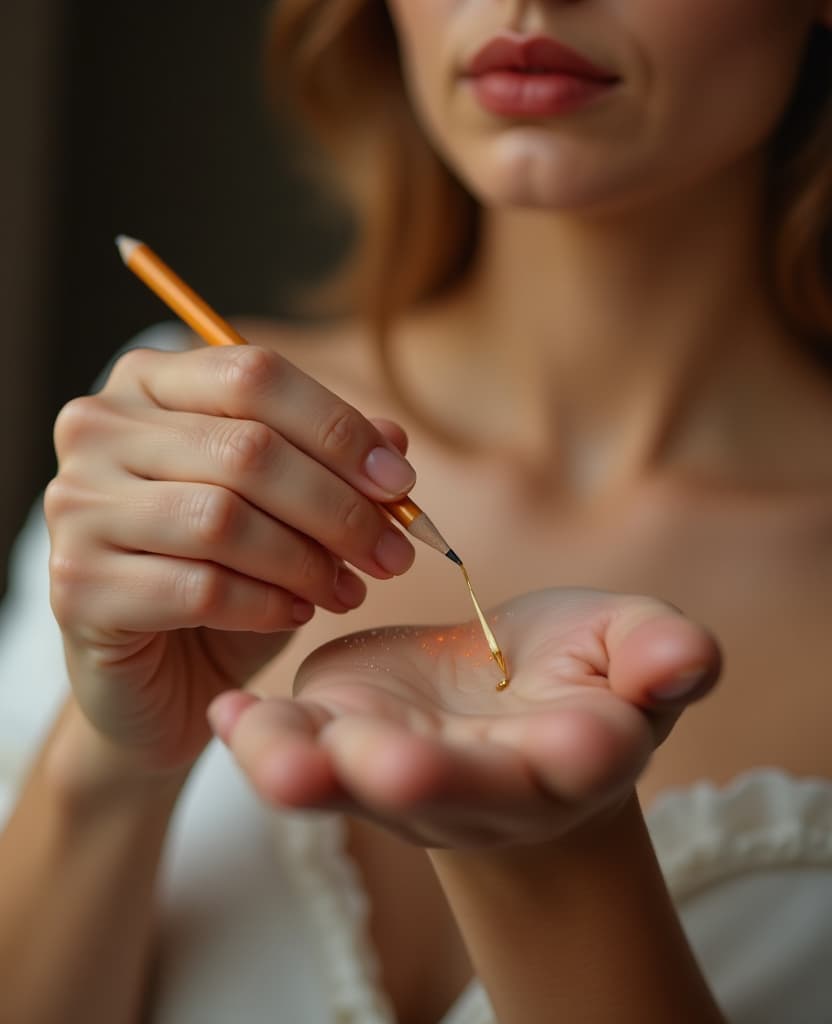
148	119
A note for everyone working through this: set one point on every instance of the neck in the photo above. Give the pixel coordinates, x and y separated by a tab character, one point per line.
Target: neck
595	332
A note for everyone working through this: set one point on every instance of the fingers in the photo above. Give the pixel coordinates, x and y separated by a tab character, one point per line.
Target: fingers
204	523
130	593
251	460
249	383
295	753
590	746
389	766
658	658
121	433
275	743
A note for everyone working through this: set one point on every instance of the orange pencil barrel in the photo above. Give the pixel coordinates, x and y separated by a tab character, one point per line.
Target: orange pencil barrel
404	511
181	298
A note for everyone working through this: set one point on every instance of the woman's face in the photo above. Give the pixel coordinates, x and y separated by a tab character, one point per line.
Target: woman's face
581	104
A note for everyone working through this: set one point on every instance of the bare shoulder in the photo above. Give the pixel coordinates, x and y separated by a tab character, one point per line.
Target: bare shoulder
340	355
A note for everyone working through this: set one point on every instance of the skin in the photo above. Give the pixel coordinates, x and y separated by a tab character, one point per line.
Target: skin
646	425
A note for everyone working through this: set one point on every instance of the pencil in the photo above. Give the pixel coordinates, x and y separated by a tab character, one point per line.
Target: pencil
214	330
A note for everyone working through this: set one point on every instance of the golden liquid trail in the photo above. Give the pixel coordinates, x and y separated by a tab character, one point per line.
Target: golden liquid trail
493	646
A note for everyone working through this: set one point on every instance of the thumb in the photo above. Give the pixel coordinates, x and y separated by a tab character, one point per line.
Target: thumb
660	660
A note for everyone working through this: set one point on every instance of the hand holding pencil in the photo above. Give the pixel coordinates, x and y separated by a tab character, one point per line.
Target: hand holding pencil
206	502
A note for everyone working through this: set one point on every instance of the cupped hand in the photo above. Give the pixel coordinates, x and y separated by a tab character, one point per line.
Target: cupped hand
405	726
205	503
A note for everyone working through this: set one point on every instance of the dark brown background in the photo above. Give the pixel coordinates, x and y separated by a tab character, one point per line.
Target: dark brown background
143	118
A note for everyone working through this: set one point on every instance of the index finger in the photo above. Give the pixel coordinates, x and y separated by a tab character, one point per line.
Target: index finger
251	383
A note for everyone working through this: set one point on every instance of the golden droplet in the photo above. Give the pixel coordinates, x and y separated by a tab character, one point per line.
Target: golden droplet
493	646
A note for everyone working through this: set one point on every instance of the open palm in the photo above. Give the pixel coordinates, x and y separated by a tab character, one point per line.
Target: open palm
405	725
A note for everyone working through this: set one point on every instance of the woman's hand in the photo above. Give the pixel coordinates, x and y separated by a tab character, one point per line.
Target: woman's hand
205	503
405	725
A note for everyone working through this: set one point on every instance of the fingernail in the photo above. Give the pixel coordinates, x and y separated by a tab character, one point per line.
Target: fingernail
389	471
394	553
349	589
681	686
302	611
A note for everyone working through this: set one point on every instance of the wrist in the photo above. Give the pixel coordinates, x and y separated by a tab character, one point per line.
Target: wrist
600	838
85	769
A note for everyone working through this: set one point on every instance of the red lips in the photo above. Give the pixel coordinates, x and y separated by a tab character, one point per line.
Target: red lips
533	53
534	76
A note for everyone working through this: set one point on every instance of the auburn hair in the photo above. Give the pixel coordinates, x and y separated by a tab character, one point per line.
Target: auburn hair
333	65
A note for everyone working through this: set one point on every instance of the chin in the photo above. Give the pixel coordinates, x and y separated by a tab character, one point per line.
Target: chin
528	172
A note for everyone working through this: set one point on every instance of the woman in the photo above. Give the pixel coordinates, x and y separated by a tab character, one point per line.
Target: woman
601	329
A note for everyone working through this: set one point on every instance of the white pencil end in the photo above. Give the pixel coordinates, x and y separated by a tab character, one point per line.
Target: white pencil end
126	246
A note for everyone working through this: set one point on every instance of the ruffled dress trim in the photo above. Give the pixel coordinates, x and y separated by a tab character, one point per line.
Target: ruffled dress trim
764	818
338	909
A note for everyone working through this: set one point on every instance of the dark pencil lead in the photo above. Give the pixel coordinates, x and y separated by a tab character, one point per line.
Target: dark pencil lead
454	557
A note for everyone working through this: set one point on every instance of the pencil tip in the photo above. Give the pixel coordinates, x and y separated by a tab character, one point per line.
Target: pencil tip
126	246
454	557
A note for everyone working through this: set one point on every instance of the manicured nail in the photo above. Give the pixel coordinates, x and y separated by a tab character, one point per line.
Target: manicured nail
302	611
389	471
681	686
394	553
349	589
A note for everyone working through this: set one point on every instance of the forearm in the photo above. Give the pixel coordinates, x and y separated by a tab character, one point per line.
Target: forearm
78	864
582	931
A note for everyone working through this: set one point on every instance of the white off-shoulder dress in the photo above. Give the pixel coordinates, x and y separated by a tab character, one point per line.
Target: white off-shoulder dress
263	916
